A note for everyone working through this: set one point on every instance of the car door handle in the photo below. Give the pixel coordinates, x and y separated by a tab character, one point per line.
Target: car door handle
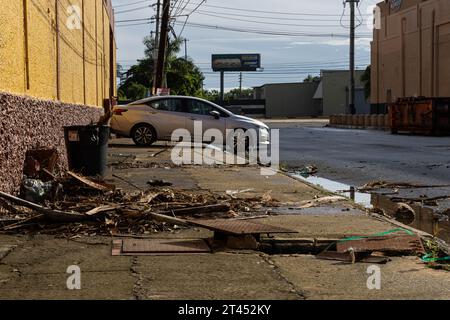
194	118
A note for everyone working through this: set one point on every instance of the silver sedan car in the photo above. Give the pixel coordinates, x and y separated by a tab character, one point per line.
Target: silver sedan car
156	118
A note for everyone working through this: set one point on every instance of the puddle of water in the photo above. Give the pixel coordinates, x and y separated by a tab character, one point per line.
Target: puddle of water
420	217
339	188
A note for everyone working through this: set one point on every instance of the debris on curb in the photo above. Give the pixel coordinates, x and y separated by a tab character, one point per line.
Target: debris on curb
361	248
159	183
321	201
77	205
89	182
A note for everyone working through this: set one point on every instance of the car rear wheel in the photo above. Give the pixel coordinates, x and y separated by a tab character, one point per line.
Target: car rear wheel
143	135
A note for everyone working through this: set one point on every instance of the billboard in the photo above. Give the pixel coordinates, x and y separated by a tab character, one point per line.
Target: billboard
236	62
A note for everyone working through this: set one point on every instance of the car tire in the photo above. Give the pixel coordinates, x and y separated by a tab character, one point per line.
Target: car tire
143	135
234	148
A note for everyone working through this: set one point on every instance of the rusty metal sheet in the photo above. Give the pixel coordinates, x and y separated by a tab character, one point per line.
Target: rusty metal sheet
135	247
392	244
365	257
239	227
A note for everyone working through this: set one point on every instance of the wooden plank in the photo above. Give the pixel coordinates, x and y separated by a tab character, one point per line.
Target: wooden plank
88	182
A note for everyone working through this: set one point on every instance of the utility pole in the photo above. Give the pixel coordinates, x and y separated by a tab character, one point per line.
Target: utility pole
353	3
240	84
156	44
185	49
222	87
158	15
163	36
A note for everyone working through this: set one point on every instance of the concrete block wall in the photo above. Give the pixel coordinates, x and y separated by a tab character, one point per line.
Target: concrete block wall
361	121
27	123
52	74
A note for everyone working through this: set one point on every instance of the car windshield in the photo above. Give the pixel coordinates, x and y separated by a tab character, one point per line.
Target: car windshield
203	108
173	105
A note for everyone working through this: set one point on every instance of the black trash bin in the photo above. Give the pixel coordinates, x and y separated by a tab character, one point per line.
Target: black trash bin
87	149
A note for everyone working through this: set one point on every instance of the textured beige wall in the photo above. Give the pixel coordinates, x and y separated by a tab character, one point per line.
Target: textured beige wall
411	51
29	57
100	56
12	61
41	49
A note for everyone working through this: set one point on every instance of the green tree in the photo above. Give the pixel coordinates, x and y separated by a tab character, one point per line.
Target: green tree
137	91
211	95
183	76
365	79
233	94
311	78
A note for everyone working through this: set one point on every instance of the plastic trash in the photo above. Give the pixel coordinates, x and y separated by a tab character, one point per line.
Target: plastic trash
34	190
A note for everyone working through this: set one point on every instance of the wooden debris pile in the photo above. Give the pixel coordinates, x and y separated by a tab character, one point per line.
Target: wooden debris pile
78	205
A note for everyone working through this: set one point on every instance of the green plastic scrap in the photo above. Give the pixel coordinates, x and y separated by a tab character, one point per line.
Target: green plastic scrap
382	234
428	258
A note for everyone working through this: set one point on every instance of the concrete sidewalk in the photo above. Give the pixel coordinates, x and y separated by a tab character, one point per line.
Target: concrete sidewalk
34	267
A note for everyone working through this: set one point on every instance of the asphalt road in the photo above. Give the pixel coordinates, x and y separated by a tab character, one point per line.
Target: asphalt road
359	156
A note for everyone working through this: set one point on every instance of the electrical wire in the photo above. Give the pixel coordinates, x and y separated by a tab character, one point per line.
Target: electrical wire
132	10
267	23
131	4
273	12
270	32
271	18
133	20
189	15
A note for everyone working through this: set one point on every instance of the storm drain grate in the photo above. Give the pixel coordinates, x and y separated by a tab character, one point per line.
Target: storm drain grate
149	247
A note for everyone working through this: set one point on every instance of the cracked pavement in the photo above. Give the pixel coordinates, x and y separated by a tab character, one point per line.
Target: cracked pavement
34	266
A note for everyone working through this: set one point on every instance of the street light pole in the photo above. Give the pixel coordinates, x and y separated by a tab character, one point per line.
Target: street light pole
353	3
240	84
222	87
185	49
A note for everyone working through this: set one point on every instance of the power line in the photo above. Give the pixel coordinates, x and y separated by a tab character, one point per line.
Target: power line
133	24
265	22
268	32
274	12
133	20
189	15
131	4
132	10
271	18
197	7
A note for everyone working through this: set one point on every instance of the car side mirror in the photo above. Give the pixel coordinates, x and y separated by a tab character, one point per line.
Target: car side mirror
215	114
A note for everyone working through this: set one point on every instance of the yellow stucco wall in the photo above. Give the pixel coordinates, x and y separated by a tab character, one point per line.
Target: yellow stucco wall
12	62
31	47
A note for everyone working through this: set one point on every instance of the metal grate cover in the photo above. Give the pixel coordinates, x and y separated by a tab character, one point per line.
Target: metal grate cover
239	227
135	247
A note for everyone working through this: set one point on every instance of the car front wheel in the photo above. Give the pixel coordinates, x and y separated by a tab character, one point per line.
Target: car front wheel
143	135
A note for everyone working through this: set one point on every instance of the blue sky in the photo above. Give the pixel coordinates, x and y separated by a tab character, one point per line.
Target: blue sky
294	37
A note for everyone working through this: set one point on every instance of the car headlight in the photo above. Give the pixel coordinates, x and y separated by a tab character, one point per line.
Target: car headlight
264	134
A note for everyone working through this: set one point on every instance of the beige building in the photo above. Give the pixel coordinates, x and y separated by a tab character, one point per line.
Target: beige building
287	100
334	93
411	50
